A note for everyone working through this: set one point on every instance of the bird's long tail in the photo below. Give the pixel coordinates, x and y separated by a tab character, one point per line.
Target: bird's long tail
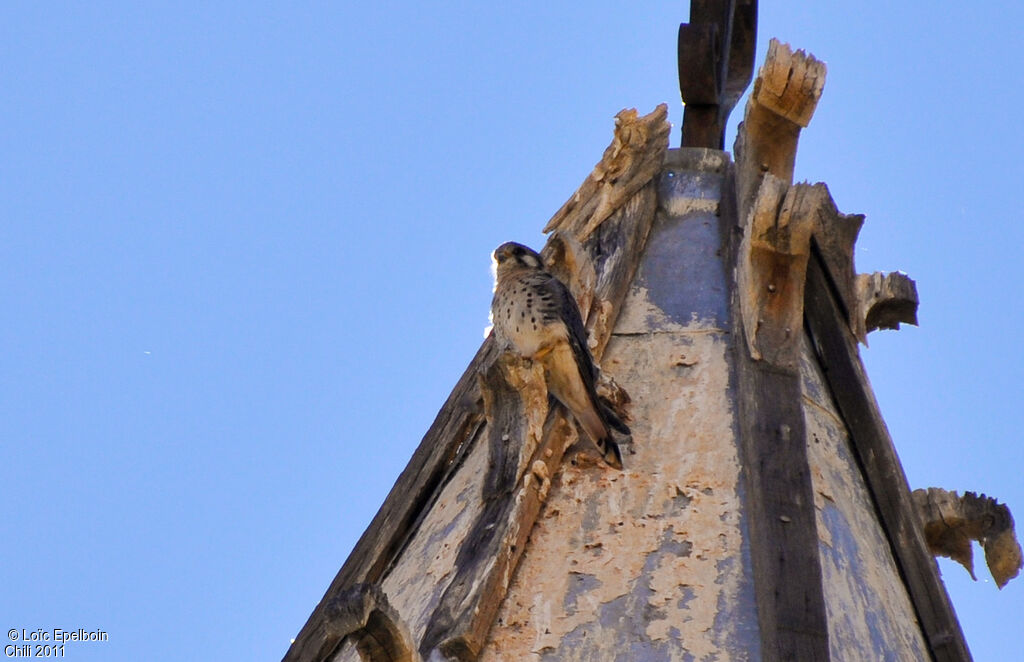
608	447
610	452
611	418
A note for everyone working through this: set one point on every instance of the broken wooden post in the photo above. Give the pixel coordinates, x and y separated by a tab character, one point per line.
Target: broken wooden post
716	60
784	97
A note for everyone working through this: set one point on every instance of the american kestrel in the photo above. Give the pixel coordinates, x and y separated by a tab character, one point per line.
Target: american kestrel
535	314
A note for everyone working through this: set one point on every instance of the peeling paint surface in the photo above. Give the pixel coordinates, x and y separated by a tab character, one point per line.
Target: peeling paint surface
650	564
870	615
426	567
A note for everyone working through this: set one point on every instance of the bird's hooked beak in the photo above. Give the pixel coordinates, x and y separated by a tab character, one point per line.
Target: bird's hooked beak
501	253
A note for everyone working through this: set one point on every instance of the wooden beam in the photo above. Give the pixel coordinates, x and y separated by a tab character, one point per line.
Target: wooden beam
716	60
836	234
783	530
783	533
516	406
836	350
514	494
628	164
785	95
779	494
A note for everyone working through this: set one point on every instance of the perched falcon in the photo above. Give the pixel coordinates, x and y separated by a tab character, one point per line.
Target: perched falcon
534	313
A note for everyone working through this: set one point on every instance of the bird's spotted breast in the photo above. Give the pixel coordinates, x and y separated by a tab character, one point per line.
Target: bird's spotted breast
526	317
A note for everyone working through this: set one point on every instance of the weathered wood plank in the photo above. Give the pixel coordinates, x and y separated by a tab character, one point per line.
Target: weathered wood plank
780	499
515	405
836	234
513	496
836	350
785	95
770	269
612	253
783	533
628	164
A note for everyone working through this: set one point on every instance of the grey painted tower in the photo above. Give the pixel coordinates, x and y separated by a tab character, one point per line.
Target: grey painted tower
762	513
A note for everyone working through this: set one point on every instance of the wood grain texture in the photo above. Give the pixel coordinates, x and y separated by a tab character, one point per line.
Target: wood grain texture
835	234
785	95
783	533
628	164
836	350
773	261
770	269
784	538
611	253
516	406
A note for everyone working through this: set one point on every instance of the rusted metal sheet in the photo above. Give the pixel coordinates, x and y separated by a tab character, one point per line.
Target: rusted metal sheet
651	563
870	615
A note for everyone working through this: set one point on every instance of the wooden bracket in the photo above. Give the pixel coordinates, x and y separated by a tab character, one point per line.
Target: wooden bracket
885	301
785	95
629	163
716	61
951	522
516	408
363	615
772	263
770	273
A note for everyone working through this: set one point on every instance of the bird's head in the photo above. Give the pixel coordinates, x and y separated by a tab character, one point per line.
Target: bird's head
513	255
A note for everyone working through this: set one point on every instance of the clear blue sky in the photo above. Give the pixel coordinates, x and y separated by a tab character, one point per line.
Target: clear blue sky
244	257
